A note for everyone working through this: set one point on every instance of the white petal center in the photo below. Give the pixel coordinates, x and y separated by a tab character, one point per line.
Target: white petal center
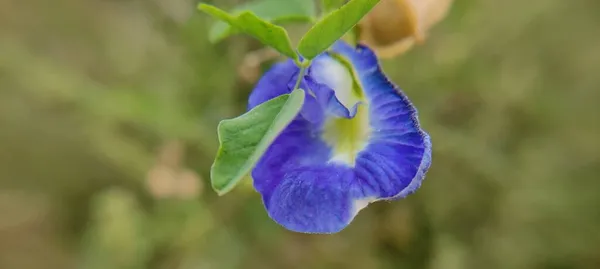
336	76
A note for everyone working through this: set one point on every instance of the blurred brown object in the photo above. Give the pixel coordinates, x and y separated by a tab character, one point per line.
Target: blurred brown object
188	184
249	69
394	26
169	179
160	182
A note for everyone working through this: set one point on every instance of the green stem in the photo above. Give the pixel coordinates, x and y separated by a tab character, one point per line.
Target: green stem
303	67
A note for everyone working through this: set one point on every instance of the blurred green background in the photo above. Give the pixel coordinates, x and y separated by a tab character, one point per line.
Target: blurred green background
108	114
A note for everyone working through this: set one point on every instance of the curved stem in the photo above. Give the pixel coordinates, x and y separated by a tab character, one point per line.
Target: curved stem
303	67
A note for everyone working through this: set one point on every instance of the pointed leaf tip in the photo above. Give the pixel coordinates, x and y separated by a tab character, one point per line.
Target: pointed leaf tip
333	26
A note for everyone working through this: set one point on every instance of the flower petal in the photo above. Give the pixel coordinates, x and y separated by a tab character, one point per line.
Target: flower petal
300	190
332	73
273	83
298	146
281	79
334	86
315	199
326	98
399	152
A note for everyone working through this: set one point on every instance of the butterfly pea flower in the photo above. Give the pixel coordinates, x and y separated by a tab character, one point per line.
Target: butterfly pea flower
356	140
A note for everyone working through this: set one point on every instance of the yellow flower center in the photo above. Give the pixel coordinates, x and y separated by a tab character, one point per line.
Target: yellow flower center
347	137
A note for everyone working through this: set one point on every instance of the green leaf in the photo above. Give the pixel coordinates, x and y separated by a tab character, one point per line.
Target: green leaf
243	140
266	32
333	26
275	11
330	5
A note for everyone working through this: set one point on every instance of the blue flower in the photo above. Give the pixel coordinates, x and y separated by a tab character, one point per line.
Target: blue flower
356	140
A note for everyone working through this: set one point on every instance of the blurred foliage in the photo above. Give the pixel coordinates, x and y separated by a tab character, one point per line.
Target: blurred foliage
91	91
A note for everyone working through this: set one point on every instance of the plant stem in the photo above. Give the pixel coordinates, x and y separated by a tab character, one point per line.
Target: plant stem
303	67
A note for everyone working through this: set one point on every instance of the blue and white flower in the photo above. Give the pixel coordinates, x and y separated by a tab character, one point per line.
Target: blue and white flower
356	140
